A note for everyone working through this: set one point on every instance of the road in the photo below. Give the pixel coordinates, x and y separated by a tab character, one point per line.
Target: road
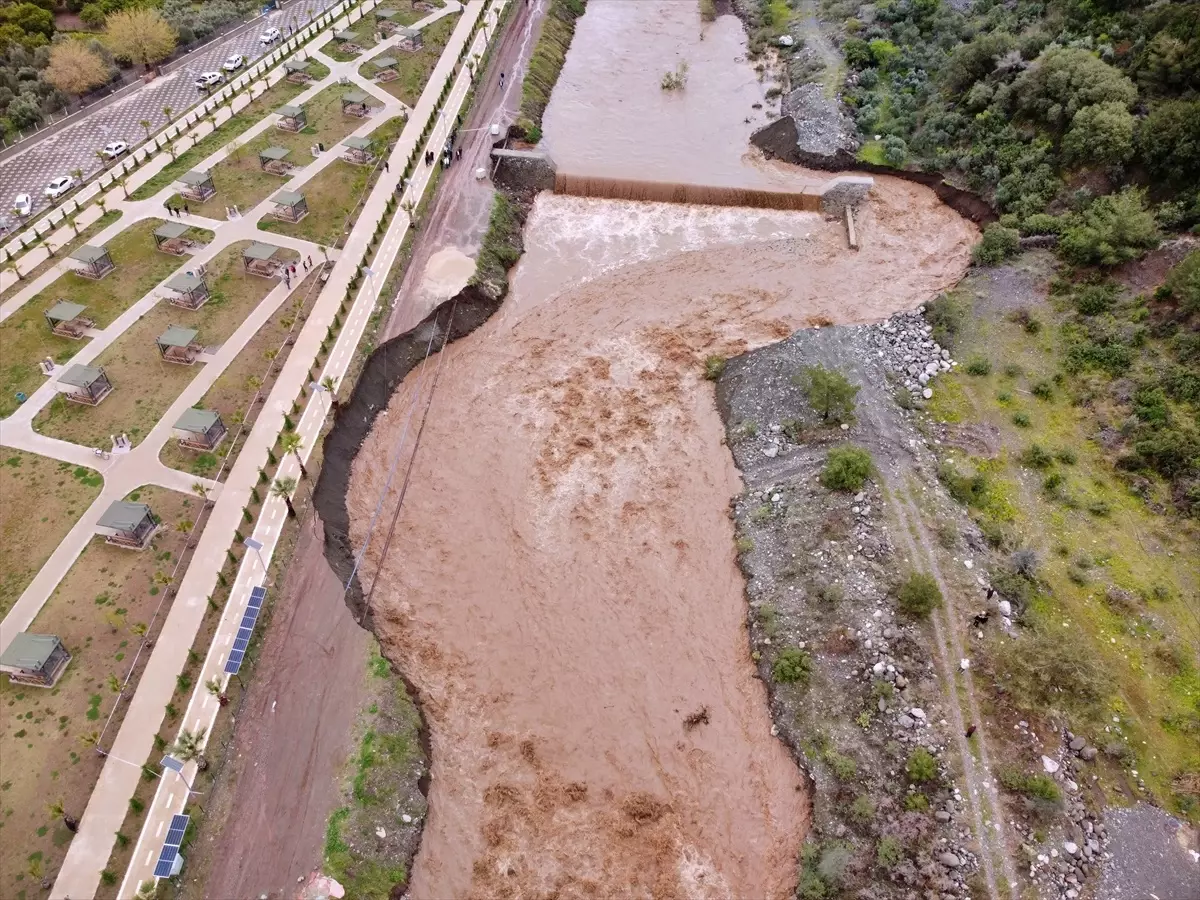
75	146
91	847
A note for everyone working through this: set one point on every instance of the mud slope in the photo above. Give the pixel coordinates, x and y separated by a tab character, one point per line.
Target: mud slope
562	588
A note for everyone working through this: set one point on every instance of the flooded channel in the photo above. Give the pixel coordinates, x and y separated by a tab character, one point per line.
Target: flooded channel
562	586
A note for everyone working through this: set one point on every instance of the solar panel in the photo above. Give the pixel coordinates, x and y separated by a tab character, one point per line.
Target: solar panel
166	863
170	762
257	596
234	663
253	607
247	621
241	642
175	832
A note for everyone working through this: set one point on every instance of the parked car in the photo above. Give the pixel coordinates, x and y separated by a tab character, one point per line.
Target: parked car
23	205
270	36
209	79
114	149
234	63
59	186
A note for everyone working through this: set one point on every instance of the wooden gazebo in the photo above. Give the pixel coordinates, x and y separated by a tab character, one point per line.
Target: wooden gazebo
385	68
37	660
169	238
348	42
354	103
290	206
85	384
96	261
197	185
272	160
179	345
259	259
66	319
128	525
200	429
385	20
358	151
191	291
297	71
291	118
410	40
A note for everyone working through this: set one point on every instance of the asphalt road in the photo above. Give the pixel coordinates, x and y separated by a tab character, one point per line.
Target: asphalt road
75	147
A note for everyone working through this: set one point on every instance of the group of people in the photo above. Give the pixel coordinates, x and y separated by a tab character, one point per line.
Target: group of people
177	211
289	271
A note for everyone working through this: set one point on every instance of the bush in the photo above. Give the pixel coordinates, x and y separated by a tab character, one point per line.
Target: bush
829	392
1021	420
862	810
919	595
792	666
1037	457
916	803
1037	786
1024	562
1183	283
1114	229
1093	299
979	365
998	244
1052	668
847	468
946	315
714	367
889	852
844	767
1042	390
921	766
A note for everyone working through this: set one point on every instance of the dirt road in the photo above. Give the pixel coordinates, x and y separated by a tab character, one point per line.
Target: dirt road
454	226
562	588
292	738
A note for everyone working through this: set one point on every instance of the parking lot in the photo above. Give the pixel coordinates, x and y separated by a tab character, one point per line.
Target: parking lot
75	146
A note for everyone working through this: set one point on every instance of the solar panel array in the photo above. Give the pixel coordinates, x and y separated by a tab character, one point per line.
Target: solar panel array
170	850
242	641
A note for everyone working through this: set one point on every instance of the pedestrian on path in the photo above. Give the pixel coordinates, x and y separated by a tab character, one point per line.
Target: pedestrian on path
458	153
385	166
310	262
186	210
501	79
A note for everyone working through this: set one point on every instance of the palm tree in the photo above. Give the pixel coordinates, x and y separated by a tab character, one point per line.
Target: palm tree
123	187
103	159
145	123
58	810
12	267
69	221
293	443
199	488
328	383
167	112
213	686
184	526
283	488
187	748
78	173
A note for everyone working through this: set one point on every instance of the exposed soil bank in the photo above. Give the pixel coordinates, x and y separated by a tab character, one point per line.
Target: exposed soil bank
574	449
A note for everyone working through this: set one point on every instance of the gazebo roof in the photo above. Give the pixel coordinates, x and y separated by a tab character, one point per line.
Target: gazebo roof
80	376
64	311
287	198
259	250
197	421
358	143
290	111
185	283
296	65
89	254
29	651
385	13
354	97
196	178
346	36
384	62
168	231
274	153
177	336
124	516
408	32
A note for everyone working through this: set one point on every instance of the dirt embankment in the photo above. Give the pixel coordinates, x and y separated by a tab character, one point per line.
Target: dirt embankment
573	447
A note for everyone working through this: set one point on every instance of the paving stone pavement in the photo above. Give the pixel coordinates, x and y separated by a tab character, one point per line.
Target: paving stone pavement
75	146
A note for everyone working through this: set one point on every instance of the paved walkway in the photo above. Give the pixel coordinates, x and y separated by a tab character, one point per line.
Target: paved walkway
89	851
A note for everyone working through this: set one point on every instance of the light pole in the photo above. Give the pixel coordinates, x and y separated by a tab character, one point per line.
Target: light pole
256	546
176	766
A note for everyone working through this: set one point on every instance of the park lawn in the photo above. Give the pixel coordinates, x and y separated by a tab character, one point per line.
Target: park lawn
25	338
267	102
413	67
240	180
253	370
365	29
99	611
41	500
82	237
144	385
335	192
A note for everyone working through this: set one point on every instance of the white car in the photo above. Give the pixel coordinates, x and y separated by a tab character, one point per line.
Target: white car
114	149
59	186
208	79
270	36
234	63
23	205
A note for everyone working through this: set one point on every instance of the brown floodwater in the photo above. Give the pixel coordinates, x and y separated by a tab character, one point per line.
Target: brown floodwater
562	587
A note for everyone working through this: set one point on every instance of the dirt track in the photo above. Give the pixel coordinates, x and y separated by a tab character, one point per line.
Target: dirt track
562	587
293	736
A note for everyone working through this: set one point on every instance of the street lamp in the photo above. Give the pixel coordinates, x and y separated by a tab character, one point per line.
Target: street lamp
176	766
257	546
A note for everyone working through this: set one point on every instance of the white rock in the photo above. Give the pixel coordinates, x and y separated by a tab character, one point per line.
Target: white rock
927	394
845	427
786	40
1071	847
1049	765
970	564
406	819
380	833
917	713
964	664
771	452
1005	608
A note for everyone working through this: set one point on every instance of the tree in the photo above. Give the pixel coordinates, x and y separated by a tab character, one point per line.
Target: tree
1113	229
145	123
187	747
1169	141
846	468
997	245
92	15
293	443
919	595
829	392
1183	283
11	266
1101	134
30	18
141	36
74	69
58	809
168	111
1063	80
199	488
283	488
213	686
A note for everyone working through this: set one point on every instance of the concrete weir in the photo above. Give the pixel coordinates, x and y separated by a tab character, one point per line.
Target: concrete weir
533	170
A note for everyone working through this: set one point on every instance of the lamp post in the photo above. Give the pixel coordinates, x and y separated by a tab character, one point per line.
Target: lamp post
257	546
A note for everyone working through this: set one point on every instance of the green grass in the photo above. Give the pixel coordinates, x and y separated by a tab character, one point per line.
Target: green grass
413	67
25	337
872	152
364	28
268	102
82	236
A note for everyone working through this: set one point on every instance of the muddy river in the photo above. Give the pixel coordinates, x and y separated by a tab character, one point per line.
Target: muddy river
562	586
